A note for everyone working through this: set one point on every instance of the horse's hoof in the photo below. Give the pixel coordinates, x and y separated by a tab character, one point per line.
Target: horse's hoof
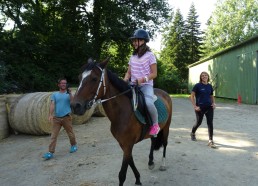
151	166
138	183
162	168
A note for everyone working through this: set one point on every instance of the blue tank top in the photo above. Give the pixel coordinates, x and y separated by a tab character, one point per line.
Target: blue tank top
62	103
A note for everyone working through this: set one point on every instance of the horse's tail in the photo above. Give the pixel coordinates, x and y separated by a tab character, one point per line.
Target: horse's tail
158	141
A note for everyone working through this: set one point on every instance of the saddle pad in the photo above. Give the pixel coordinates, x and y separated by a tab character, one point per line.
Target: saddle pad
162	112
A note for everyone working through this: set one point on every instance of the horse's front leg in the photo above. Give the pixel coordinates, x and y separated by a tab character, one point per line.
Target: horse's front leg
135	171
128	160
123	171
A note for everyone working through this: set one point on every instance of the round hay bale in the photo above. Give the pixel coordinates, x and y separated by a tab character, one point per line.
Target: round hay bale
4	128
99	111
29	114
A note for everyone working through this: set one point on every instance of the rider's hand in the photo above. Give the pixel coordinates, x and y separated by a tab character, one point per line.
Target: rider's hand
140	80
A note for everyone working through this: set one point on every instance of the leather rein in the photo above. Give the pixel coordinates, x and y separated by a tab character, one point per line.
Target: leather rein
102	81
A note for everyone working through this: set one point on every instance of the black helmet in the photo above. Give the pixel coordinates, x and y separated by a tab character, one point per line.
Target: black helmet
141	34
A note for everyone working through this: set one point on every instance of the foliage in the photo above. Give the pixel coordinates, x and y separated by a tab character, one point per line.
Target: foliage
53	38
233	21
193	36
182	40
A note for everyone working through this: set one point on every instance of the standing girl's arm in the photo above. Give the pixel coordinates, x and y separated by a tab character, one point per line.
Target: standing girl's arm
192	97
213	104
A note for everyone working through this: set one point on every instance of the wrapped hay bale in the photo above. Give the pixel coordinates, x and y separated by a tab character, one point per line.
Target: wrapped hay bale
29	114
99	111
4	128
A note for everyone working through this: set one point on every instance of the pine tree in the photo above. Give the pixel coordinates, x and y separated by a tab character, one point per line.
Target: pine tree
173	54
193	36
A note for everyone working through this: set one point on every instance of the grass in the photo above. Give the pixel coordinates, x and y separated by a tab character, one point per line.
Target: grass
180	95
218	100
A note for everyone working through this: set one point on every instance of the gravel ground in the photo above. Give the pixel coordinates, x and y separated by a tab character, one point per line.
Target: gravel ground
99	158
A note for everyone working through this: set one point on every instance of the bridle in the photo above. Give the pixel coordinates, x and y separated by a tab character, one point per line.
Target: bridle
102	81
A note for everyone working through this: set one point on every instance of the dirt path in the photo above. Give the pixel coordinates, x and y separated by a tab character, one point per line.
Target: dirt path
99	157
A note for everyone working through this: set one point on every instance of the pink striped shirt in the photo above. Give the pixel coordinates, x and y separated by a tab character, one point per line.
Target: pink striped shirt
140	67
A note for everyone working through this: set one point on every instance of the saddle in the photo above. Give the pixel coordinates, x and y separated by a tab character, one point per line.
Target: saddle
141	112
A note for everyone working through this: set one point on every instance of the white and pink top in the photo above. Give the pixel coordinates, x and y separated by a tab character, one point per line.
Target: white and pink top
140	67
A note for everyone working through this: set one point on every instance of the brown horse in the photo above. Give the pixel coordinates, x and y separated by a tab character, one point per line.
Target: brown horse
97	84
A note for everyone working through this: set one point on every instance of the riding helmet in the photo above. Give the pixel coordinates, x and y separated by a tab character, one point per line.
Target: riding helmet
141	34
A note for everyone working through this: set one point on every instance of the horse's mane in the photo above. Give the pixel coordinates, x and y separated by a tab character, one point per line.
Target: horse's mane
120	84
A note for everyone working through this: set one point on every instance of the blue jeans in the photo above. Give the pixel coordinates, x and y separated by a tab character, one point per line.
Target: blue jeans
148	92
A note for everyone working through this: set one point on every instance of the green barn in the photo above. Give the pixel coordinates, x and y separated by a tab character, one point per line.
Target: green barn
233	72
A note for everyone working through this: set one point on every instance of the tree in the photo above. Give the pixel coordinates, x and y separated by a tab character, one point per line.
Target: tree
233	21
174	55
193	36
56	37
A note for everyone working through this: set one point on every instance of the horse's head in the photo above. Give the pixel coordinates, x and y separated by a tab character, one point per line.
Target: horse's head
91	87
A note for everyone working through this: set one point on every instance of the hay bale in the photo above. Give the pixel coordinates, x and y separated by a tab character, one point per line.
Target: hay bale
29	114
4	128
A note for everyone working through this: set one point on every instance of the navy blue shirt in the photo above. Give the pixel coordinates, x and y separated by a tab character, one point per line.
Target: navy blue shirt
203	94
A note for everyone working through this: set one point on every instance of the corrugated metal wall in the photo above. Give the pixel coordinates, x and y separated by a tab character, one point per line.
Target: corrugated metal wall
233	72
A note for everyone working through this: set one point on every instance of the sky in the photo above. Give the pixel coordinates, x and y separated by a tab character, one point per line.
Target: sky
204	8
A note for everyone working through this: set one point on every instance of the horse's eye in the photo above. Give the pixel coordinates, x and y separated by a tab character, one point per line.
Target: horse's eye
94	79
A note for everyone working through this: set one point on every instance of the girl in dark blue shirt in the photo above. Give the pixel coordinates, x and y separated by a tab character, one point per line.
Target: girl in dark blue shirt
204	104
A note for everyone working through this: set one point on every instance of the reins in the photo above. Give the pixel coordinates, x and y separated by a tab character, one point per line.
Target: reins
102	80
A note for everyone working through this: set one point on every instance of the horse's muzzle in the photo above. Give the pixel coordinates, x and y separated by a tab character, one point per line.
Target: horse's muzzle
80	109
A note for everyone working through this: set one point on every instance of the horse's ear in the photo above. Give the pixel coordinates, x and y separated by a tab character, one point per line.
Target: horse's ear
90	60
104	63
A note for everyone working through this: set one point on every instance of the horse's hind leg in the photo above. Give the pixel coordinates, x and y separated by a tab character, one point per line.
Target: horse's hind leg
151	163
163	166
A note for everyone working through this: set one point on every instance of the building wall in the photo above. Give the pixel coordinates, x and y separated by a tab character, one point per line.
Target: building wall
233	72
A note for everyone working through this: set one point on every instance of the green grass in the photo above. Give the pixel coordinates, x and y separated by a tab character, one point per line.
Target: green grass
180	95
218	100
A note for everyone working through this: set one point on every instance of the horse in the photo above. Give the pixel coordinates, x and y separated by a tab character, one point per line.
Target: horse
98	84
